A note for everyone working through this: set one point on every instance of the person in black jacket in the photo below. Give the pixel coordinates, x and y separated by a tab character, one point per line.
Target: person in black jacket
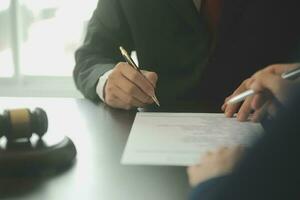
269	170
192	51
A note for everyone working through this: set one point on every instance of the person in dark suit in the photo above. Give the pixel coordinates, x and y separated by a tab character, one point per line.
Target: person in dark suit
269	170
192	51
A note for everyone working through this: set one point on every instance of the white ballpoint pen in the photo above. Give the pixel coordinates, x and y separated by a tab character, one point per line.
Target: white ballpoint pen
292	74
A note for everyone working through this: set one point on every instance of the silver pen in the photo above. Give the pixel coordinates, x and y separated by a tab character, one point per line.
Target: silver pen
292	74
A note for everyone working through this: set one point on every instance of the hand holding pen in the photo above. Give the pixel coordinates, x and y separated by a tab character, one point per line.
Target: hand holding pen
264	92
126	88
132	64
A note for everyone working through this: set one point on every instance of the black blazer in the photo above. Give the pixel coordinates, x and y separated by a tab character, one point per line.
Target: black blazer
269	170
173	39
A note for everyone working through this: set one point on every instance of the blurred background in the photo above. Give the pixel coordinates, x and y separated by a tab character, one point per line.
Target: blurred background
38	39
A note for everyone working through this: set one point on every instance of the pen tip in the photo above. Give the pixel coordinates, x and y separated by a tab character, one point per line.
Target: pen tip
156	101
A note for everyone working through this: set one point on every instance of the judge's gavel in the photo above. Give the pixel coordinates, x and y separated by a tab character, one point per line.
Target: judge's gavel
22	153
18	124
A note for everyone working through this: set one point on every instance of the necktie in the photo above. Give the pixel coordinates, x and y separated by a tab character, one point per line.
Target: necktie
212	10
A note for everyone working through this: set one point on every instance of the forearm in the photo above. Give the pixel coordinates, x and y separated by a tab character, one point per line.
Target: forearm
99	53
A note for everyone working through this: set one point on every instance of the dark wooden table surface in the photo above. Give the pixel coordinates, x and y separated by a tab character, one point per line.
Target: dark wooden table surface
100	135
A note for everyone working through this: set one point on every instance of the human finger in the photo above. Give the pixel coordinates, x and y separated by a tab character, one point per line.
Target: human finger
224	106
119	99
231	109
278	69
272	83
194	175
138	79
130	88
151	76
260	113
259	100
245	110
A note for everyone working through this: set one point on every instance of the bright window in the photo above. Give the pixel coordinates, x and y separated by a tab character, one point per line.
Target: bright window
6	57
38	39
52	31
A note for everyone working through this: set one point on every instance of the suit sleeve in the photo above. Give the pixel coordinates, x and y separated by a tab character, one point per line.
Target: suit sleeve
107	30
207	189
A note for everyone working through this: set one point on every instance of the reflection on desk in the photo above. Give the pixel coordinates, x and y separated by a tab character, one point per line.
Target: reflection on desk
100	134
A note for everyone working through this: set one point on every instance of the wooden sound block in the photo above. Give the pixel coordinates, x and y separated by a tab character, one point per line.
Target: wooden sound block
35	155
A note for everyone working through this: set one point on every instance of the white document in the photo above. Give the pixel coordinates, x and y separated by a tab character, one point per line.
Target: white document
181	138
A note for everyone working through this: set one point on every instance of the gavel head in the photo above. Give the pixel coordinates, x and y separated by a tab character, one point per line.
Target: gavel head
21	123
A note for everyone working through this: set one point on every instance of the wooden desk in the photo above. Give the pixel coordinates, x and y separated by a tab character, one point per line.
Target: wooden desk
100	135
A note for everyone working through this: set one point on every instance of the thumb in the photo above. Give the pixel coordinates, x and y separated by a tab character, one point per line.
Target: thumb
151	76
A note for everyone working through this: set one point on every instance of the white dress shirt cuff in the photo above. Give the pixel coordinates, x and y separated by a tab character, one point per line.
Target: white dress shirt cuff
101	84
